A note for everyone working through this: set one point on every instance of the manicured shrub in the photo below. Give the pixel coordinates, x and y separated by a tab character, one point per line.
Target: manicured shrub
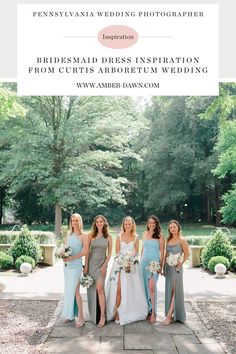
25	245
233	264
42	237
6	261
197	240
23	259
216	260
219	245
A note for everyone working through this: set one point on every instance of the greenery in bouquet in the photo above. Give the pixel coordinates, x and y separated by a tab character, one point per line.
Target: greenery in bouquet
64	251
125	261
173	259
86	281
154	267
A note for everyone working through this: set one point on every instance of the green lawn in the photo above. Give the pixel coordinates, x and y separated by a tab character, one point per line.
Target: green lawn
187	230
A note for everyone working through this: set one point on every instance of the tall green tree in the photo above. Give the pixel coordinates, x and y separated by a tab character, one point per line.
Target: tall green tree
226	146
9	107
72	149
225	107
180	158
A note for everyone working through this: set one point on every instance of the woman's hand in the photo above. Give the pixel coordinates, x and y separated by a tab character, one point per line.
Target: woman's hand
103	271
179	264
67	259
85	271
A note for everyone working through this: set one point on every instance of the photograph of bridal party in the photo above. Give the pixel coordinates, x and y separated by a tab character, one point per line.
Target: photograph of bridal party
117	223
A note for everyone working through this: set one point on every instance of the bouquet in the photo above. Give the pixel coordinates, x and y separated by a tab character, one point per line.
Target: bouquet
125	261
64	252
173	260
154	267
86	281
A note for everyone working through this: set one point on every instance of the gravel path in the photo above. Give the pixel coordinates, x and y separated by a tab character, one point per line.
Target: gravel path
23	325
220	319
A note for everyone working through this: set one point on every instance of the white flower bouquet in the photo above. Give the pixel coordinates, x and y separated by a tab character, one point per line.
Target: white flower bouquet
125	261
154	267
64	252
173	259
86	281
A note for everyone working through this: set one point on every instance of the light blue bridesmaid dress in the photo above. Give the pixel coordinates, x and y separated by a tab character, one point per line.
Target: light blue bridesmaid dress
72	274
151	252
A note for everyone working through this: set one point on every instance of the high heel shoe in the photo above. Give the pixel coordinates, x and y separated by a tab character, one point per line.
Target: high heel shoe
166	322
152	319
67	320
102	322
79	324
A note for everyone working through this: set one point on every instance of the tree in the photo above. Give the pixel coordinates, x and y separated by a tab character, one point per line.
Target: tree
180	157
225	107
9	107
71	149
226	146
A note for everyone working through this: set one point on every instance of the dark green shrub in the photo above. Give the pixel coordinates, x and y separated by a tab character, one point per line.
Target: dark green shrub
6	261
42	237
23	259
218	245
25	245
233	264
218	259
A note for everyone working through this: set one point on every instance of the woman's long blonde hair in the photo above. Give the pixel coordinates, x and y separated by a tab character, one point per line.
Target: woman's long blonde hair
78	216
133	230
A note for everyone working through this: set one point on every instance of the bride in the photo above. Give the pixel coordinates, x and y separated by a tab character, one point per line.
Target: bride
125	294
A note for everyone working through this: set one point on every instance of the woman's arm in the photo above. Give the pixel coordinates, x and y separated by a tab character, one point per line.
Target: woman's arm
136	246
185	249
109	251
118	244
164	257
162	249
87	253
143	238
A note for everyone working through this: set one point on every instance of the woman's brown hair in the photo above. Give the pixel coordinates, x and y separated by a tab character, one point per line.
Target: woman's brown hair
170	236
157	230
94	230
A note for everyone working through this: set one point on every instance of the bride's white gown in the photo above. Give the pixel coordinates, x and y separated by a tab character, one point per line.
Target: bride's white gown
133	305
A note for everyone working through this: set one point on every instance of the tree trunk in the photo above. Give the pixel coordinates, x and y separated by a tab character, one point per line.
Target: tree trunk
2	196
57	220
217	202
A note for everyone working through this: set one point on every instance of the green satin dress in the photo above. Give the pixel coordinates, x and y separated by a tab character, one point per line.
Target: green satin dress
174	279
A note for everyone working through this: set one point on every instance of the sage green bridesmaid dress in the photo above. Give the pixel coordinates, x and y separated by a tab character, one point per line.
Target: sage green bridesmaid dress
174	278
97	256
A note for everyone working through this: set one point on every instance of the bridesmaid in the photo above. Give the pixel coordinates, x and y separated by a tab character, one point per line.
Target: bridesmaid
153	250
77	241
174	292
100	244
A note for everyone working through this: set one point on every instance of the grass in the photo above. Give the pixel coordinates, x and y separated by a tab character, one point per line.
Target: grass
187	230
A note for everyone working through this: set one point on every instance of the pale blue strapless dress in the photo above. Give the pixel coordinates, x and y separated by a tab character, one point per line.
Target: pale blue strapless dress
151	252
72	274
